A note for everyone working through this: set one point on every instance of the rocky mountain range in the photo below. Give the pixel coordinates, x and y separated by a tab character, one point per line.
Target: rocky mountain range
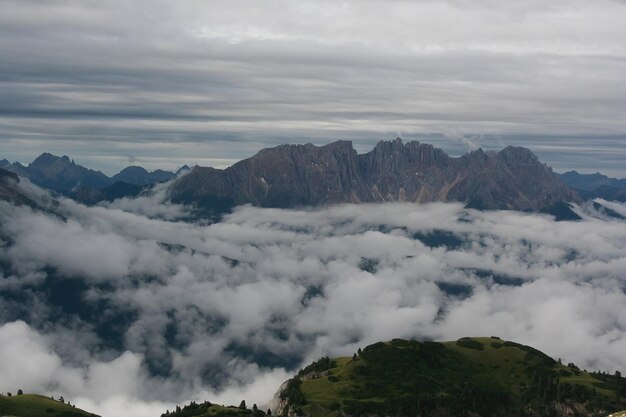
308	175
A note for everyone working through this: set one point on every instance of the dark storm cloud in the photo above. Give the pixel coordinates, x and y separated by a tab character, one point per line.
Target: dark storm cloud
227	311
222	79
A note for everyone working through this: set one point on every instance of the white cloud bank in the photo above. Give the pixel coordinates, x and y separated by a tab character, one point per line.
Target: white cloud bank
167	312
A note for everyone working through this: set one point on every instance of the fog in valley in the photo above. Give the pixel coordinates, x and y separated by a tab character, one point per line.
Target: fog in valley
126	309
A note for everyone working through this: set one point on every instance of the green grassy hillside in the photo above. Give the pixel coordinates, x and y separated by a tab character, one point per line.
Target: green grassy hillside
487	376
32	405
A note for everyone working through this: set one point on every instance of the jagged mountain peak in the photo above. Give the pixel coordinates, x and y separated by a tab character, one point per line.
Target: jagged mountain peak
518	153
60	173
47	158
396	143
182	169
309	175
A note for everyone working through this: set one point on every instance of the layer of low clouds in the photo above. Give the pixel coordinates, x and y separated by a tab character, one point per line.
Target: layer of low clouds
212	82
127	315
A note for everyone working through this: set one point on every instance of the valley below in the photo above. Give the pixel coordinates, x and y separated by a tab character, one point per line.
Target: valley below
163	308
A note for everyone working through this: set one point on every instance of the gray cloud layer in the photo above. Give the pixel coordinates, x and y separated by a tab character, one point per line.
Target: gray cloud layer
212	82
172	311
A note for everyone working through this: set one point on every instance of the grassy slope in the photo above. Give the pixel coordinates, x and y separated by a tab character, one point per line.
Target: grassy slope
32	405
498	374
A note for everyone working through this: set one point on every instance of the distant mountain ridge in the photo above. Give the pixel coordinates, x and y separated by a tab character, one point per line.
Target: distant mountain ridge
140	176
308	175
63	175
596	185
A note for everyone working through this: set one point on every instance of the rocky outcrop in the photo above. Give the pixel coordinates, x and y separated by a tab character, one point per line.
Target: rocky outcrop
280	406
307	175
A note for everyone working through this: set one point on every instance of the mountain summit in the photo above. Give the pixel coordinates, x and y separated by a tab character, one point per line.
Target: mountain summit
308	175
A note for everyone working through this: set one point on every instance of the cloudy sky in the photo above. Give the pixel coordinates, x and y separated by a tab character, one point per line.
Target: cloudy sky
162	83
125	313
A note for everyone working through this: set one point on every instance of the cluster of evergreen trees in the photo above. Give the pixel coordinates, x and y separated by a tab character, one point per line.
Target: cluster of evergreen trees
194	409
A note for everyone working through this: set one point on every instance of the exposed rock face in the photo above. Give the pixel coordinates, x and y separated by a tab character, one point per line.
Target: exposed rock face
307	175
279	405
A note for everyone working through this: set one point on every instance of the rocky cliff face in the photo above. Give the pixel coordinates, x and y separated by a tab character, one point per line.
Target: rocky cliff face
307	175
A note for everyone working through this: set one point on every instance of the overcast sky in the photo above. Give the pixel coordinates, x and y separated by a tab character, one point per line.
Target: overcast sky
162	83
